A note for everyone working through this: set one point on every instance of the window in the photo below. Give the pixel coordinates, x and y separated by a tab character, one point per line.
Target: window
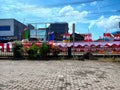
4	28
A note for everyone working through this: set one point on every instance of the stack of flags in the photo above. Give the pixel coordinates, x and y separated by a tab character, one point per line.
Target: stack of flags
66	37
107	37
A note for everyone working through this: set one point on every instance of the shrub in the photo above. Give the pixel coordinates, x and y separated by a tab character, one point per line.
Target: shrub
32	52
18	49
43	50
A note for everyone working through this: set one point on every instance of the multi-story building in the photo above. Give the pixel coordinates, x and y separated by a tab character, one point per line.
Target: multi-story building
11	29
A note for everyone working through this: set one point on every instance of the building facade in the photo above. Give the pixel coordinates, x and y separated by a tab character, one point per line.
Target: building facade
10	30
77	37
59	29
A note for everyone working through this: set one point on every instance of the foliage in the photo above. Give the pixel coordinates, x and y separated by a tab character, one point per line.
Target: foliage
43	50
54	50
75	57
32	52
18	49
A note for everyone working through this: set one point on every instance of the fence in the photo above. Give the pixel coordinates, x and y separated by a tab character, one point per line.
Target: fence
6	50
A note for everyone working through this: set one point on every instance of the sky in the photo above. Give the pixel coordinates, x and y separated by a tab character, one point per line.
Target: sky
90	16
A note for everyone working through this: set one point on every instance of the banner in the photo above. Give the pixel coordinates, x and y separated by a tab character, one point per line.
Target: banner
88	37
51	36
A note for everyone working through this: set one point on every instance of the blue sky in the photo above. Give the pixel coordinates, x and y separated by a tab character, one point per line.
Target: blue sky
99	16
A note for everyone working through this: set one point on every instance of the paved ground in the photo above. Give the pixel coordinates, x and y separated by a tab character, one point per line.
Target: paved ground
59	75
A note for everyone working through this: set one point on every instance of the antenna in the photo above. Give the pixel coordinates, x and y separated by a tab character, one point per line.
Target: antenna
88	30
24	21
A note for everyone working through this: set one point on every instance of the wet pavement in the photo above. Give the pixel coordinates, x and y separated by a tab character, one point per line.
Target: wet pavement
59	75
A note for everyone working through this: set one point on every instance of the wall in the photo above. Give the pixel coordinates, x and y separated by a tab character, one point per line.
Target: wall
18	27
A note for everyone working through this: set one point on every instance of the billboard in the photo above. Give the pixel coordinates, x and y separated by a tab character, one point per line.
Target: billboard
37	33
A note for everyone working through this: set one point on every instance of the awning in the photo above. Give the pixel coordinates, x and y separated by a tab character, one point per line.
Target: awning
76	44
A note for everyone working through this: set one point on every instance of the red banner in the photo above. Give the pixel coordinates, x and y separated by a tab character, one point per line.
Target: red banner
88	37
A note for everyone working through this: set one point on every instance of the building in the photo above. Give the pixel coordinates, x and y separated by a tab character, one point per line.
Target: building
37	32
59	29
10	30
77	38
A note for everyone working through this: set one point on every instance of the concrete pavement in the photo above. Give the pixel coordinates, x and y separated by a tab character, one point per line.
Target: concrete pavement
59	75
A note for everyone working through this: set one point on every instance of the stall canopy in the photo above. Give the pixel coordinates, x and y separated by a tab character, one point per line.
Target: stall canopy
77	44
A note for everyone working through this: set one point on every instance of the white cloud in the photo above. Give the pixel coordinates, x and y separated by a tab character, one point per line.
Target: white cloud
93	3
69	11
92	23
108	23
65	10
69	14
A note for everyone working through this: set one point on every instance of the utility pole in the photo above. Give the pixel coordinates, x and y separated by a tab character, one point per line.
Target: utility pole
73	29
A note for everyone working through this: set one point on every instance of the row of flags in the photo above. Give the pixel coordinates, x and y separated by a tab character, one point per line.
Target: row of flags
106	37
66	36
111	37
